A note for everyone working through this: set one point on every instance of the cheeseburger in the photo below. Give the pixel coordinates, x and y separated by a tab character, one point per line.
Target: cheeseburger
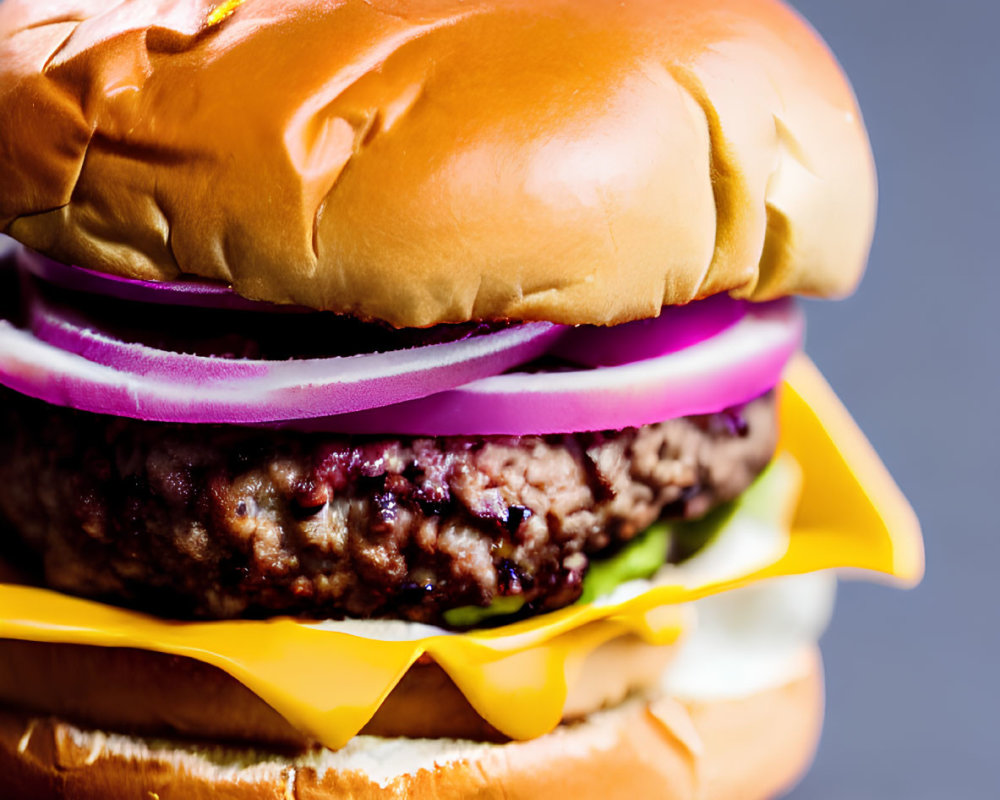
405	398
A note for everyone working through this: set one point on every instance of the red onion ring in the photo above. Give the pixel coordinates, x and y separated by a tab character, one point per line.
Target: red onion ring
198	293
677	328
692	360
282	390
70	332
733	367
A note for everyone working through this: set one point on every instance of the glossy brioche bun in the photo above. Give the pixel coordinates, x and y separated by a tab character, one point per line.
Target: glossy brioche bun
745	749
427	161
112	688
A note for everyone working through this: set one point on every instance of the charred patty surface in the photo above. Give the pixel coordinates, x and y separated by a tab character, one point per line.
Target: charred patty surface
213	521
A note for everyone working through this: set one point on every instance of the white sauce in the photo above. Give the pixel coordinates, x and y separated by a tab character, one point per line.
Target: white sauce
752	638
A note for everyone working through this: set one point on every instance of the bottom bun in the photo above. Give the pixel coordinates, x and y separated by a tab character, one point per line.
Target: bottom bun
109	688
748	748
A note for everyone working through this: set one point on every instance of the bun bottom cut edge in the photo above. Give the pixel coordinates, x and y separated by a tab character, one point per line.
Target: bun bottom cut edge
745	748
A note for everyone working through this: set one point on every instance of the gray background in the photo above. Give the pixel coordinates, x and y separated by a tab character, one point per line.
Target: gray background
913	699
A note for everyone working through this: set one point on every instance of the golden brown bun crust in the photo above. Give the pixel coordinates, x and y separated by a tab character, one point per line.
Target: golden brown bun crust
109	688
580	161
746	749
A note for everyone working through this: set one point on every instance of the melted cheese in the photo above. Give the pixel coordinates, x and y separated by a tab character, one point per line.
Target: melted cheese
752	639
328	679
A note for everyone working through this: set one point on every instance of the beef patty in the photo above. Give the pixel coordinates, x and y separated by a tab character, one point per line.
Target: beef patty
219	521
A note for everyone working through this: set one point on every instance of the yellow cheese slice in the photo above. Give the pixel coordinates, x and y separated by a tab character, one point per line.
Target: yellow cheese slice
850	508
329	682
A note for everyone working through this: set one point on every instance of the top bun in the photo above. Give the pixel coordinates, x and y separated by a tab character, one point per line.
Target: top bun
428	161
